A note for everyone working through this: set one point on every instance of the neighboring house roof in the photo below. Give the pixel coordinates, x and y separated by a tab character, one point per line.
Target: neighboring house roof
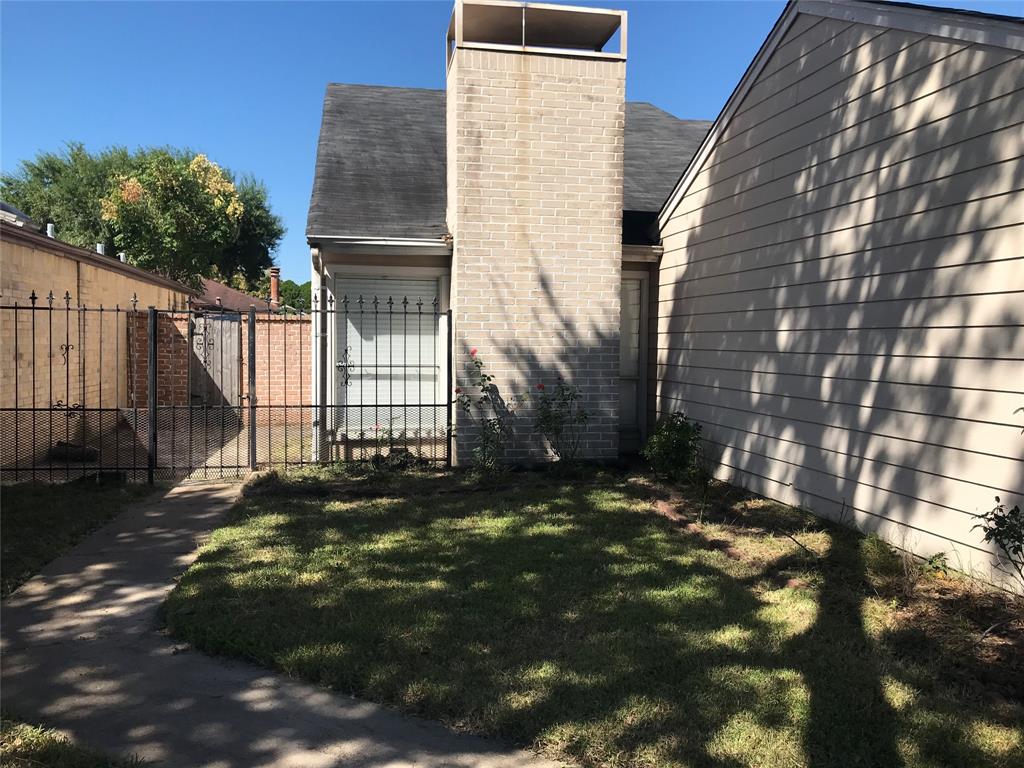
967	26
16	216
380	167
230	298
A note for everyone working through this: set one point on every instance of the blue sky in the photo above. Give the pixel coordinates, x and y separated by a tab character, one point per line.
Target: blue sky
243	82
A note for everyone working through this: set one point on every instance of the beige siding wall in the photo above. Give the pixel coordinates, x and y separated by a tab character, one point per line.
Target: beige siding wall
535	201
841	297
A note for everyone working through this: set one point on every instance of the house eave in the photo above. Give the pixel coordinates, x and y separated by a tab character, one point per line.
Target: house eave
380	245
643	253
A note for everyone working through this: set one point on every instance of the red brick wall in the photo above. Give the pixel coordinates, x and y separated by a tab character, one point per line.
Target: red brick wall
171	364
282	366
282	363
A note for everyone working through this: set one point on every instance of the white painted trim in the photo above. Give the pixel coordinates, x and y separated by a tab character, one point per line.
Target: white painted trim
994	32
334	271
569	53
644	343
649	253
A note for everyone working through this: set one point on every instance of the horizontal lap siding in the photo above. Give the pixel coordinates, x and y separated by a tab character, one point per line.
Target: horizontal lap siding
841	297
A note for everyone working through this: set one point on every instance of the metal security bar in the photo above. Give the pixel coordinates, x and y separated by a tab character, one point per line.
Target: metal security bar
146	394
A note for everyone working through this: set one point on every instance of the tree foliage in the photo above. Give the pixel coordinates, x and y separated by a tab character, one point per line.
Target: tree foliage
66	189
173	216
168	210
297	295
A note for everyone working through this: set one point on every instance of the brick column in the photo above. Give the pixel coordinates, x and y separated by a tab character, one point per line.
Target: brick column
535	153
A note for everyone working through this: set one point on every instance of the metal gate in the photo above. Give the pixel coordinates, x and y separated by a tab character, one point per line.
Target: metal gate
147	394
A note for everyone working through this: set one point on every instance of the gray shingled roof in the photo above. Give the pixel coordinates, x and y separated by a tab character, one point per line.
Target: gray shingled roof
380	166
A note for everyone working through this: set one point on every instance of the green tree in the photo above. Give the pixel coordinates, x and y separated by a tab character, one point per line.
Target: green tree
66	188
297	295
173	215
169	210
250	254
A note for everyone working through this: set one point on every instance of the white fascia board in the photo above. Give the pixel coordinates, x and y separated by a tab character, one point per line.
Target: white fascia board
926	21
422	246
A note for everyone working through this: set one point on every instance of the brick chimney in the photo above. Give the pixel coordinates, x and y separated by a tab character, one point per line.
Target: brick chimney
535	124
275	286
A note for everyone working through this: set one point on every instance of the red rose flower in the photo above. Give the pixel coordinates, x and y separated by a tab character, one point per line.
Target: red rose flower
458	390
472	352
540	387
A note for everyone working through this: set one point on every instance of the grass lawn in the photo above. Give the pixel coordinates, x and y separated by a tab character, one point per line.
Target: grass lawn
599	618
30	746
40	522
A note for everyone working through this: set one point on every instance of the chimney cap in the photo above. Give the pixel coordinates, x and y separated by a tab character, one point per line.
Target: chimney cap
526	26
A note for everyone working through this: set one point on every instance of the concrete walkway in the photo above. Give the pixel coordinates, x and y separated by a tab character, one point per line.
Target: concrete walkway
82	652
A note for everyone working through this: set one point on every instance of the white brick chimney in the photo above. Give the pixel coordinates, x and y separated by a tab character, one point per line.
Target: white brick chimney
536	112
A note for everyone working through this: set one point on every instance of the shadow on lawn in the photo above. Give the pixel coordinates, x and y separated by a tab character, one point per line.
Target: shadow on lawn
551	613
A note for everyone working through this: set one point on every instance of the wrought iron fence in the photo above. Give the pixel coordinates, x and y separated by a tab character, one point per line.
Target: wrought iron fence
147	394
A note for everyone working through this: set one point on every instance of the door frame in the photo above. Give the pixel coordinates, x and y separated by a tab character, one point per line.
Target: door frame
644	277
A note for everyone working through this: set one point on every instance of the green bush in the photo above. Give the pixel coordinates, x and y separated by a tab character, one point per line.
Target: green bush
1004	525
561	418
674	449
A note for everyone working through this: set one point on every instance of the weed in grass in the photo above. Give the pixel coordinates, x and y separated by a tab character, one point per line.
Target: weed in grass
31	746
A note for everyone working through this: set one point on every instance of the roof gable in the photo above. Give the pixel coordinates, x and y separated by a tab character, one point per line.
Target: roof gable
969	26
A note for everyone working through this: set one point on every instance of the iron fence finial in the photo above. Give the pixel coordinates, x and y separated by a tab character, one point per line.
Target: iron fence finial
49	299
33	298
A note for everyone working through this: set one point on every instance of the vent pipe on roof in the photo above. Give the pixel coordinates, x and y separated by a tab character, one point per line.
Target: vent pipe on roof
122	257
50	232
101	249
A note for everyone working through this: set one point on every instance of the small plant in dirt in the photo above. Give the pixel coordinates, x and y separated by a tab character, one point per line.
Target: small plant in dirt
1004	525
388	455
674	449
491	414
561	418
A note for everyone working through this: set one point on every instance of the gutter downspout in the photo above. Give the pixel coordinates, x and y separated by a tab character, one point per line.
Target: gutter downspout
323	453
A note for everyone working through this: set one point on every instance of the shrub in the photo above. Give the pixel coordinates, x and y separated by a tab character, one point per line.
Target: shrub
674	449
561	418
491	414
1006	528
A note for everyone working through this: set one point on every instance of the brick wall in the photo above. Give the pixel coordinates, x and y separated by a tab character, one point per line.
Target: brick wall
66	342
283	377
535	202
282	363
172	361
69	355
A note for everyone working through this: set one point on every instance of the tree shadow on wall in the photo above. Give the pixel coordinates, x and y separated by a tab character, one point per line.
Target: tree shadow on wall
842	312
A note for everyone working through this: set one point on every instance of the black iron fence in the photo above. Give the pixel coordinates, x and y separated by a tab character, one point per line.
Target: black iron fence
147	394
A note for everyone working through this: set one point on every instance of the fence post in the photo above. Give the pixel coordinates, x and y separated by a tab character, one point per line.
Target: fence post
252	386
450	376
151	397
